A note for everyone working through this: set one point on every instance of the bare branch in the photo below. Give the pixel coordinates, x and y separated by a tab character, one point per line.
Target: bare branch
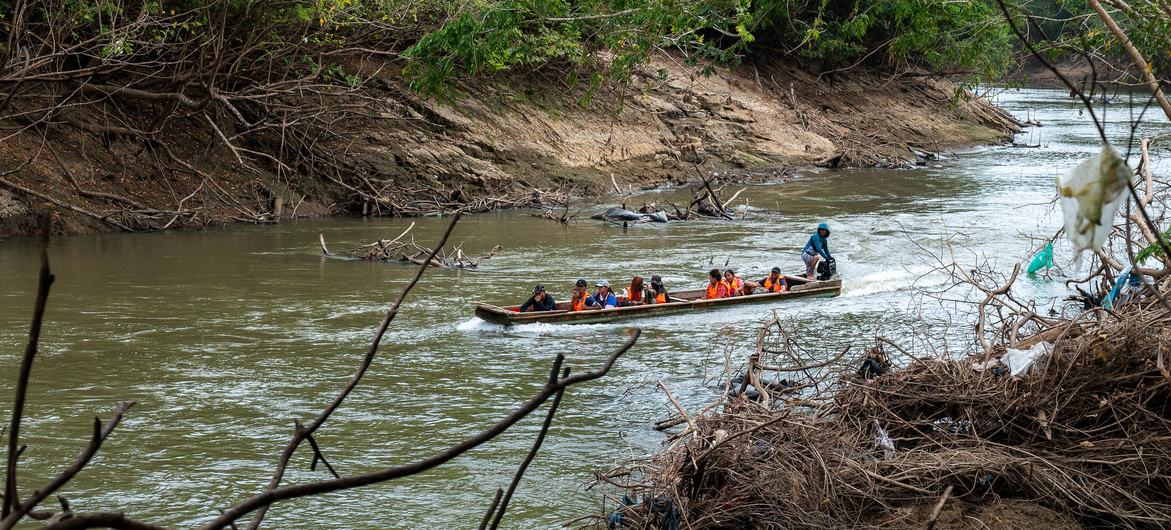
95	443
532	452
301	434
45	281
314	488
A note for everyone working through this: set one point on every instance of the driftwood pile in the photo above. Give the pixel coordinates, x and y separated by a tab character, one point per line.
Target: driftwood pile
410	252
705	202
1086	432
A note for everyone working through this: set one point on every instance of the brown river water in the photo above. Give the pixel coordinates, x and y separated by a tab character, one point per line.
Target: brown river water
224	337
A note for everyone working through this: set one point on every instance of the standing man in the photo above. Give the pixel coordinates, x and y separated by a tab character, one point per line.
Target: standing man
816	249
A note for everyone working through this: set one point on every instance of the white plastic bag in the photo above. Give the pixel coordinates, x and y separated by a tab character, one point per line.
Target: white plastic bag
1091	194
1019	361
882	441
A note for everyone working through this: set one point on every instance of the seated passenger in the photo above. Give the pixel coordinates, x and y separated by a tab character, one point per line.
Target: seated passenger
636	294
716	288
775	283
874	365
604	298
580	299
660	292
734	283
540	301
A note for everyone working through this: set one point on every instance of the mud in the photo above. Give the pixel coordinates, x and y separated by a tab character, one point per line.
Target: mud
500	142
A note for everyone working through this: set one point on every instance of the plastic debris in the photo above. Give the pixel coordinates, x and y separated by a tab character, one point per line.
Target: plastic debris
1019	361
1125	286
1091	194
1043	259
950	425
882	441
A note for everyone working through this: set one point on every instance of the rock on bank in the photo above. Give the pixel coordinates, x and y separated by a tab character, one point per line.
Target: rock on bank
502	142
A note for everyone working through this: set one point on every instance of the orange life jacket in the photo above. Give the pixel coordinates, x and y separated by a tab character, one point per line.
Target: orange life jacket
774	287
661	298
578	302
713	291
734	286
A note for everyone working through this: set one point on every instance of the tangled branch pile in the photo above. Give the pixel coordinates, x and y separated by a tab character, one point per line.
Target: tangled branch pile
411	252
1086	433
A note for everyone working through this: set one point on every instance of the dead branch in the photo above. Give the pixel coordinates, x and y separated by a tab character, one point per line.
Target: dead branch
11	502
300	435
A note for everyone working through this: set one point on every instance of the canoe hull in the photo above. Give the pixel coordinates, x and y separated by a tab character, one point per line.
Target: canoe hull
508	317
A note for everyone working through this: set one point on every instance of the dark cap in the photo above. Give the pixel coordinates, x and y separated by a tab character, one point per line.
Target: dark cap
777	270
581	283
656	279
538	289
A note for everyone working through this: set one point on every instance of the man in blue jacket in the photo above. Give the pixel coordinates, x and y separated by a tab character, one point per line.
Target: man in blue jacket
816	249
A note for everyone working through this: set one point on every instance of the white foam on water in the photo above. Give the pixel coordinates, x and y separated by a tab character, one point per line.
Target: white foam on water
545	328
890	280
477	324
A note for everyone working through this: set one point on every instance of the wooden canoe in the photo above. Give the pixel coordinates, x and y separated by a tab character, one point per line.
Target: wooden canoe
689	300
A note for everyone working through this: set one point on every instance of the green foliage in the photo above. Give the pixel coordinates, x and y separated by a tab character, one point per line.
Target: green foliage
1152	251
1071	30
603	39
938	34
494	35
498	35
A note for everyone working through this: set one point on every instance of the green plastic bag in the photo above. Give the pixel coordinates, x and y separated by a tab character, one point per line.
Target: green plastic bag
1043	259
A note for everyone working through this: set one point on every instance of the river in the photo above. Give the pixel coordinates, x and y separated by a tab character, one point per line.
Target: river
224	337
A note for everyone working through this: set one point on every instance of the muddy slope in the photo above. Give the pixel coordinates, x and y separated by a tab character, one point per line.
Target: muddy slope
504	142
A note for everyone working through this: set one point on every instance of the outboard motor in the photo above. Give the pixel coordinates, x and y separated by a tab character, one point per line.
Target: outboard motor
827	269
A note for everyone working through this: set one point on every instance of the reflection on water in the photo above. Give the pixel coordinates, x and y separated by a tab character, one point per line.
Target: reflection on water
224	337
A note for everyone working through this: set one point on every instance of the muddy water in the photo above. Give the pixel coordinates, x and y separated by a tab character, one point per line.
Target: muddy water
224	337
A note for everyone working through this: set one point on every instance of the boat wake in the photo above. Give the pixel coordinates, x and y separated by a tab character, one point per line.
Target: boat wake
890	281
477	324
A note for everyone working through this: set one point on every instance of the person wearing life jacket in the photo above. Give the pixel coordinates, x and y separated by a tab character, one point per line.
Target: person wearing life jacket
636	294
716	288
734	283
604	298
660	292
540	301
816	248
774	283
580	299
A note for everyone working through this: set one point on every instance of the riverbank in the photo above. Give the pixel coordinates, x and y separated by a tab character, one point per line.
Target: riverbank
502	142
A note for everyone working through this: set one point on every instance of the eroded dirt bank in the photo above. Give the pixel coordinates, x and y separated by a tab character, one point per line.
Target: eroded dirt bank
504	142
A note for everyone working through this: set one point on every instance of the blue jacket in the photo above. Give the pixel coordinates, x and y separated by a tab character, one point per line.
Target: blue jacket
609	300
818	244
